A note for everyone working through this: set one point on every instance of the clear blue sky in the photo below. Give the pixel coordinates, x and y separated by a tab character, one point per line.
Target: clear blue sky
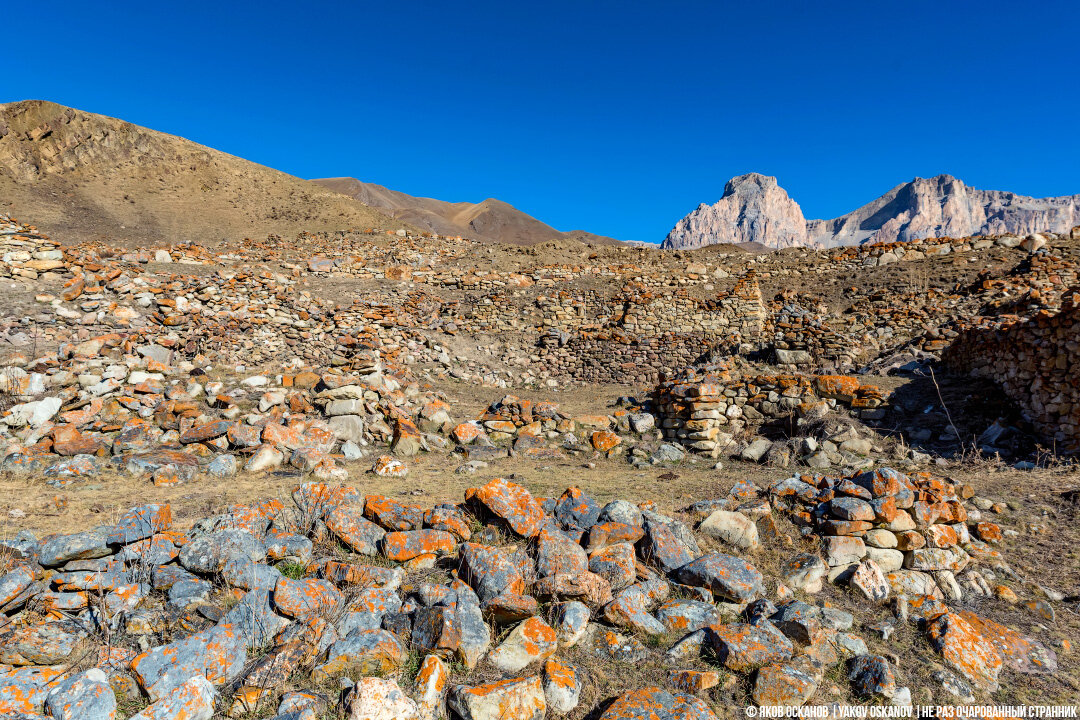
615	117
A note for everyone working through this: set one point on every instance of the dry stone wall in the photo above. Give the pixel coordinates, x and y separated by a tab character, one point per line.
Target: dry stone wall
1037	363
615	357
644	335
707	410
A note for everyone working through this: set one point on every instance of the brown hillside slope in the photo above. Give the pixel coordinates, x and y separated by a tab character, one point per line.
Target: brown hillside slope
85	176
488	221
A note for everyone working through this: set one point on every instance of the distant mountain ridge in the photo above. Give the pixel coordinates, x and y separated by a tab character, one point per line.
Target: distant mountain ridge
490	220
754	208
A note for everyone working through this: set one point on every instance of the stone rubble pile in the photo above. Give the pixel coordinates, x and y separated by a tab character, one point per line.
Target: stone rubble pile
27	254
886	532
708	409
496	608
109	403
541	430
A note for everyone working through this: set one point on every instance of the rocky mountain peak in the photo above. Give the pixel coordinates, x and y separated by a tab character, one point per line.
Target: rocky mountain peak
750	182
754	208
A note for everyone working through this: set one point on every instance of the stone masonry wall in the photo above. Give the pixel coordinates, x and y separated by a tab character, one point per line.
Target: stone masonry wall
1037	363
613	357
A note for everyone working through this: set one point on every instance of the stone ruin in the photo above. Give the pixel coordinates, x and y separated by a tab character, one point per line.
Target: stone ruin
1036	361
496	608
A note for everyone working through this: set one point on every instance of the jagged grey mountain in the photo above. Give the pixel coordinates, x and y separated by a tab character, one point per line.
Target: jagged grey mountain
754	208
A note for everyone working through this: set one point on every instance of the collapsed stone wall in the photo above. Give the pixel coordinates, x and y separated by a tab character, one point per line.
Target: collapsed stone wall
707	410
1037	363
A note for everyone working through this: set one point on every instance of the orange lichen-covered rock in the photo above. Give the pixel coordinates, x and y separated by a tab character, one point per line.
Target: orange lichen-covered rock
881	483
510	699
283	436
305	598
509	608
206	431
402	546
741	647
575	510
988	532
466	433
557	553
435	630
941	536
489	571
663	547
531	641
687	616
1020	653
609	533
512	503
841	387
693	681
391	514
432	681
726	576
391	467
653	702
786	684
373	698
367	652
140	523
193	699
871	677
348	524
965	650
39	644
588	587
218	654
562	687
368	576
604	440
318	499
407	440
615	563
85	695
449	518
15	583
23	690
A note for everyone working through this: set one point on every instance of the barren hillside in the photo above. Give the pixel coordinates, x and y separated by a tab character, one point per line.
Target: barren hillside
83	176
488	221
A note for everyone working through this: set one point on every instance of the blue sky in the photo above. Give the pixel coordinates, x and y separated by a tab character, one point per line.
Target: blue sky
615	117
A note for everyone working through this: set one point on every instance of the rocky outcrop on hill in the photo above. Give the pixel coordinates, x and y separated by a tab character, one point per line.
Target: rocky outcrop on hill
755	209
